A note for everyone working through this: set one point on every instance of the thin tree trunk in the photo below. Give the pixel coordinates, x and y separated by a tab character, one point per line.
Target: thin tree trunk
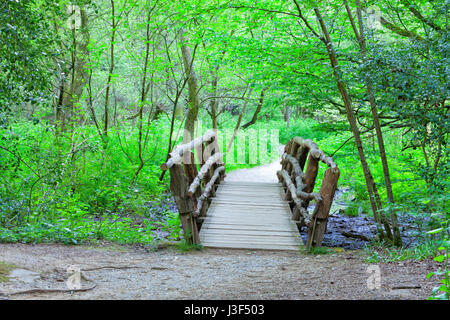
72	86
143	95
238	123
91	106
376	121
258	109
110	71
193	101
373	193
214	103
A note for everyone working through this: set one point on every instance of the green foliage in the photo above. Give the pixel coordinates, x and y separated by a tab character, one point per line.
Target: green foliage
171	225
379	252
42	200
186	246
321	250
5	269
442	292
27	44
352	209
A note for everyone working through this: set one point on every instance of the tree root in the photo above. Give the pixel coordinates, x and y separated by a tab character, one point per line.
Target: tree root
112	267
38	290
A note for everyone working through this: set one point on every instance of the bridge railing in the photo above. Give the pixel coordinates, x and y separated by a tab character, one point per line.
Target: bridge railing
299	186
193	187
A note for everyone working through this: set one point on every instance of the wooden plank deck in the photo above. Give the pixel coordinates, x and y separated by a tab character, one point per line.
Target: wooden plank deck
250	215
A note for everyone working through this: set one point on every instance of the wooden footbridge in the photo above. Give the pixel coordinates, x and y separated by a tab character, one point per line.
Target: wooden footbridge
251	215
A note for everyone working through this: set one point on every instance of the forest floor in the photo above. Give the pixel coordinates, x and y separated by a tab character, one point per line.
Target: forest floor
132	272
111	271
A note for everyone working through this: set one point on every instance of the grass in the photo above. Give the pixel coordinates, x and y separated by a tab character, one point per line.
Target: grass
5	269
185	246
379	252
321	250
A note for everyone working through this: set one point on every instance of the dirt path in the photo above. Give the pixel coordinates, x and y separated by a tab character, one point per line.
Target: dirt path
134	273
264	173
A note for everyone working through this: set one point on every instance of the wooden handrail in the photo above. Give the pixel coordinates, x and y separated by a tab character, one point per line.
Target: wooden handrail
217	157
177	153
208	188
315	151
295	165
186	182
299	185
292	189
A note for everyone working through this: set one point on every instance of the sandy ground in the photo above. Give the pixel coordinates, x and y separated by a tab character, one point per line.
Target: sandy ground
135	273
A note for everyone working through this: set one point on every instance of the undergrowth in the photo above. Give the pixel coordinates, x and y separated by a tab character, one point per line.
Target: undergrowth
380	252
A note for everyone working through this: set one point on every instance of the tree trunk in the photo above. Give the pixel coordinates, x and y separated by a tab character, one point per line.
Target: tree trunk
258	109
193	101
143	95
111	69
376	121
373	194
214	104
71	87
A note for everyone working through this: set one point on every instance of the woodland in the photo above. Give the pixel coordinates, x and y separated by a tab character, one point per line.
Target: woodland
94	95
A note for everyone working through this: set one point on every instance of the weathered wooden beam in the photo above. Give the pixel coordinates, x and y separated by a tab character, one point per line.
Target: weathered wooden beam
211	184
290	151
294	163
283	175
190	169
287	147
299	211
208	189
299	176
311	174
302	155
179	186
327	191
315	151
203	172
177	154
295	149
321	212
316	231
305	196
300	215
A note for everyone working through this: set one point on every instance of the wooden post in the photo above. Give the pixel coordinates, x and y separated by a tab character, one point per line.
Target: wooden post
287	147
310	176
190	168
322	210
301	156
293	146
179	186
327	191
295	149
316	231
